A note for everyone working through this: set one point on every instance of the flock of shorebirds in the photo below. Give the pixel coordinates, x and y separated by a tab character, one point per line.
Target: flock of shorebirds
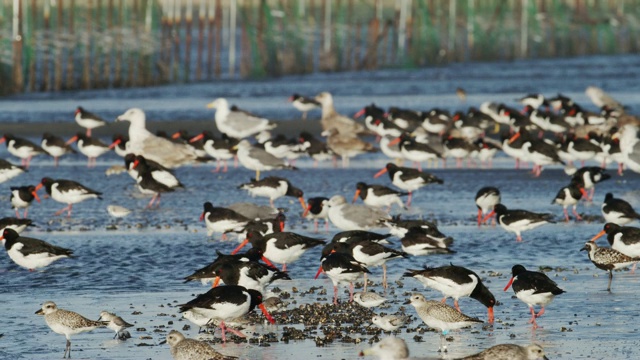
548	131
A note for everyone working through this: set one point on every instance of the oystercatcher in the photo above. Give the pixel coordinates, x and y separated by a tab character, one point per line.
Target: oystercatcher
353	217
537	151
317	209
14	223
618	211
456	282
119	144
420	241
22	148
55	146
341	268
436	121
237	123
273	187
31	253
352	236
21	198
88	120
588	176
221	220
408	179
608	259
378	195
9	171
533	288
398	227
219	149
158	172
263	226
303	104
67	323
318	150
416	151
440	316
147	184
67	192
282	248
534	101
486	199
250	274
570	196
208	273
90	147
625	239
405	118
224	303
517	221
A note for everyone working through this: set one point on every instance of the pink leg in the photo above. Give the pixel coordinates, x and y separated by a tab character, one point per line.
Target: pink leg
444	300
384	276
517	163
575	213
479	217
326	225
455	304
284	267
365	283
66	208
459	163
271	203
69	211
224	331
620	168
25	213
217	169
350	292
533	318
55	161
89	132
18	213
633	269
225	168
539	313
409	199
335	295
235	161
593	191
566	215
240	334
315	225
519	238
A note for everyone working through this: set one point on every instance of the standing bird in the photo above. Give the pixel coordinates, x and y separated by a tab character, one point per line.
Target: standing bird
331	119
625	239
408	179
255	158
517	221
190	349
90	147
570	196
533	288
303	104
618	211
378	195
147	184
607	259
440	316
419	241
589	176
390	322
341	268
117	324
219	149
347	216
88	120
456	282
273	187
55	146
221	220
67	323
510	352
237	123
317	209
22	148
347	145
31	253
225	303
21	198
158	172
67	192
486	200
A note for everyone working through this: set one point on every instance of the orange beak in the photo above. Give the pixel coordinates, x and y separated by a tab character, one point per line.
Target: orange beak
394	141
196	138
599	235
72	140
318	273
304	206
114	144
202	216
489	215
135	164
355	197
266	314
509	284
35	195
583	192
514	137
358	114
379	173
176	135
216	282
38	187
490	310
266	261
281	226
242	244
306	211
2	139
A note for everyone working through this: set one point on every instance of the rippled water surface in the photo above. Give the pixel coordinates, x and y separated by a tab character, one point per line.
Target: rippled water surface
136	264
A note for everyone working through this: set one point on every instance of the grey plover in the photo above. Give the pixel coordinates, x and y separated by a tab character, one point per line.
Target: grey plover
510	352
67	323
608	259
31	253
440	316
390	322
368	299
188	349
117	324
390	348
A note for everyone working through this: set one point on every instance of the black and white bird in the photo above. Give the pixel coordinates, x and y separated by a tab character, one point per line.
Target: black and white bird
89	147
19	225
589	176
408	179
486	200
400	227
117	324
618	211
341	268
220	149
55	146
303	104
317	209
533	288
608	259
31	253
425	241
88	120
147	184
225	303
22	148
159	173
570	195
317	150
378	195
455	282
517	221
67	192
9	171
625	239
273	187
21	198
221	220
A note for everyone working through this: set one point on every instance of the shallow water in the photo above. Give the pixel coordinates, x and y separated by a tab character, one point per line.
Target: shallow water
138	267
